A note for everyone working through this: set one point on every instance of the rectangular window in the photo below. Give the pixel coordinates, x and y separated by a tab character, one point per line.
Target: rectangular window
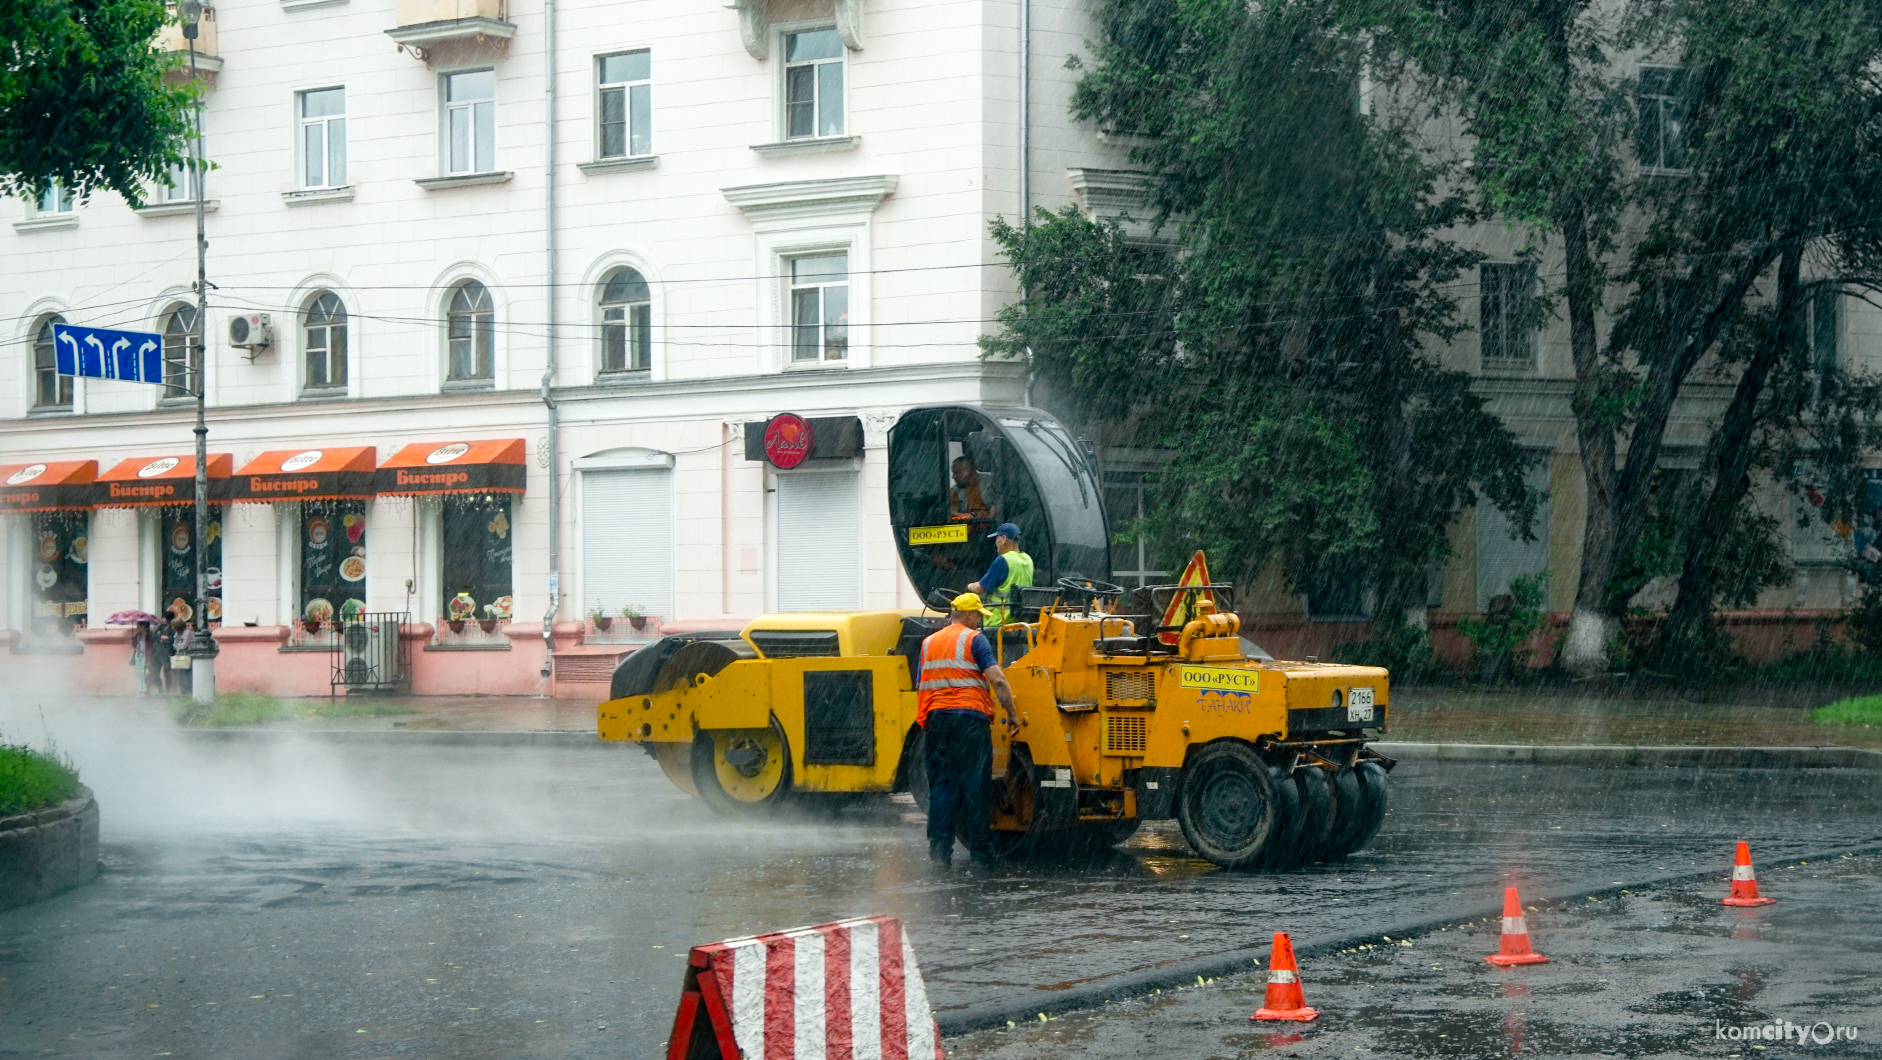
50	389
333	560
178	184
820	314
477	542
626	337
626	105
813	84
54	200
1822	325
178	546
1661	139
323	138
1506	308
1132	563
470	116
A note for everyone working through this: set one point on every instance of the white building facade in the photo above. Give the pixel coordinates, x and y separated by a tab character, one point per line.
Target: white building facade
755	209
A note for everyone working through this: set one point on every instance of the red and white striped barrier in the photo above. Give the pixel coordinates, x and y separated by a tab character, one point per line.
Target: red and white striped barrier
843	991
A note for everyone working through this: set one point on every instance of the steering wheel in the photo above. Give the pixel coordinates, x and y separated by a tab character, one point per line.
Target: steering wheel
1089	589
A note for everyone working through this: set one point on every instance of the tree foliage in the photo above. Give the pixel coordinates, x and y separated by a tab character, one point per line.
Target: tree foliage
1276	332
83	100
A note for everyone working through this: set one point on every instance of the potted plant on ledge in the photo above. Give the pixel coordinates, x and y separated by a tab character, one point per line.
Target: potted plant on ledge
634	617
602	620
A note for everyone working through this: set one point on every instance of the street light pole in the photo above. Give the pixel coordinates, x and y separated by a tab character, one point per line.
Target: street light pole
203	647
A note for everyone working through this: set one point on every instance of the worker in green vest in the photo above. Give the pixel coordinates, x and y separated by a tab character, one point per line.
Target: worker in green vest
1010	571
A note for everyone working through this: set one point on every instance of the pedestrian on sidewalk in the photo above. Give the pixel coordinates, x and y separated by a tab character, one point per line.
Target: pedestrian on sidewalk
143	646
185	636
954	707
165	646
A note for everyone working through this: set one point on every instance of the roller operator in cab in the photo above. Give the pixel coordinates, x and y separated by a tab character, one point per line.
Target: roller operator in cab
1010	571
954	707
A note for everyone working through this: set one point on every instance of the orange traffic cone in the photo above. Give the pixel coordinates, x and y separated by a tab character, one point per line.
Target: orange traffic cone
1515	947
1284	1000
1744	881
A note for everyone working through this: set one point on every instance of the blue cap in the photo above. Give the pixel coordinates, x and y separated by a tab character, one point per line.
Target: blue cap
1006	530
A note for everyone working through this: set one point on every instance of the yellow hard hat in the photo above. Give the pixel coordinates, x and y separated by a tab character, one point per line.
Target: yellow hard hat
968	602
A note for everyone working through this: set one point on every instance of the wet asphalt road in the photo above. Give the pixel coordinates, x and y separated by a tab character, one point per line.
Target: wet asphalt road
281	897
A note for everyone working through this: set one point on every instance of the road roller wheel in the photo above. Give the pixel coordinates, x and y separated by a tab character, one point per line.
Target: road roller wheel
1317	813
1283	847
1360	792
1226	805
742	772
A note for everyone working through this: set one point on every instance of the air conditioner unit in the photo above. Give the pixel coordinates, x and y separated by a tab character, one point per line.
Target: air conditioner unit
252	330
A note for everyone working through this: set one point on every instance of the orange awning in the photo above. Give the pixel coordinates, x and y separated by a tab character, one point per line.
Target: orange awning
492	466
152	480
307	475
50	486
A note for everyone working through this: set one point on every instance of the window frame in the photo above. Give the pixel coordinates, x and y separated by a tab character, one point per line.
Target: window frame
791	325
66	204
1663	101
301	124
169	392
785	32
1488	364
489	356
643	309
63	385
445	108
344	362
626	88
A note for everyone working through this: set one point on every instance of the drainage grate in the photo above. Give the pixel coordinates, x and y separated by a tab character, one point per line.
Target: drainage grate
1124	734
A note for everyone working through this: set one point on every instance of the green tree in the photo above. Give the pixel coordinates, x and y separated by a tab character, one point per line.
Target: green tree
83	100
1752	147
1278	341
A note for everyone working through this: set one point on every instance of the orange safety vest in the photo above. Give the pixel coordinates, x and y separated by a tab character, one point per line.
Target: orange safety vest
950	679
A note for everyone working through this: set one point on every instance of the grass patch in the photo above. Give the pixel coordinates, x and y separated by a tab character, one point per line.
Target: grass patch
1857	710
238	710
31	780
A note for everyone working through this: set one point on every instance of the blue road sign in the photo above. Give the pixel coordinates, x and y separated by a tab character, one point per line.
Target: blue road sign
100	353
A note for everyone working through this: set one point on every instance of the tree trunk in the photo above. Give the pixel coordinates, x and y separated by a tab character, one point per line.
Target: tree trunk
1591	628
1731	460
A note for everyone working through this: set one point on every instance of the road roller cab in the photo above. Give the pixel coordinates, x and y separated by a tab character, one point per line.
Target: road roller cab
1124	717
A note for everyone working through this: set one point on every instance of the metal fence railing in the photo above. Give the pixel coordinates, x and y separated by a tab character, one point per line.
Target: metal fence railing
369	655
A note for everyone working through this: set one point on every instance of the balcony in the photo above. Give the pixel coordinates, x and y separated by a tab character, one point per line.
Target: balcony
453	30
208	55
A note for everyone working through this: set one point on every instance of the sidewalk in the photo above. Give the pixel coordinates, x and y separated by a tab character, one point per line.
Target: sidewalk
1418	715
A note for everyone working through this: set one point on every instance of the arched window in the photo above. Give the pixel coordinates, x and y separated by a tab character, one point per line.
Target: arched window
324	326
626	316
182	355
50	389
471	323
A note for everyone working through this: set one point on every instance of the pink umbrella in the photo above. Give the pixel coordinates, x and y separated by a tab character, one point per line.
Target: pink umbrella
130	618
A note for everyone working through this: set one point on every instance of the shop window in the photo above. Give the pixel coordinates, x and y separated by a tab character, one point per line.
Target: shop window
60	566
50	389
333	560
478	534
178	527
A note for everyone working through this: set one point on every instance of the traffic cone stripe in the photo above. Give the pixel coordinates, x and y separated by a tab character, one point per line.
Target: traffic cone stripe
1513	925
1743	872
1744	883
1513	948
1281	975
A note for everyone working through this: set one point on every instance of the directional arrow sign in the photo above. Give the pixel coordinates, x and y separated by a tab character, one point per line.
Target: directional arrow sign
100	353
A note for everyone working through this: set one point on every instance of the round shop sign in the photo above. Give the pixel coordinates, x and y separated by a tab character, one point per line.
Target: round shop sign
787	440
26	474
444	454
157	467
301	460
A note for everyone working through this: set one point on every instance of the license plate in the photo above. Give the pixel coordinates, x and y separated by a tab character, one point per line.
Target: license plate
1359	704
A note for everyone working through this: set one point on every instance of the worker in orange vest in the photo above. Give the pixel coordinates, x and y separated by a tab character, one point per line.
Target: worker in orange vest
955	712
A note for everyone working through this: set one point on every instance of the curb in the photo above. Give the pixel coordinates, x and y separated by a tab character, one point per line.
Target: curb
1620	756
48	851
994	1014
564	739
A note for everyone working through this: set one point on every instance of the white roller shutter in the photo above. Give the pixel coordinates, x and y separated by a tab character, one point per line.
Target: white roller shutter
1501	557
627	541
820	541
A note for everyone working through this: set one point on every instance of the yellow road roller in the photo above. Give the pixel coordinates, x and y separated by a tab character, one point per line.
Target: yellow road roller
1133	706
